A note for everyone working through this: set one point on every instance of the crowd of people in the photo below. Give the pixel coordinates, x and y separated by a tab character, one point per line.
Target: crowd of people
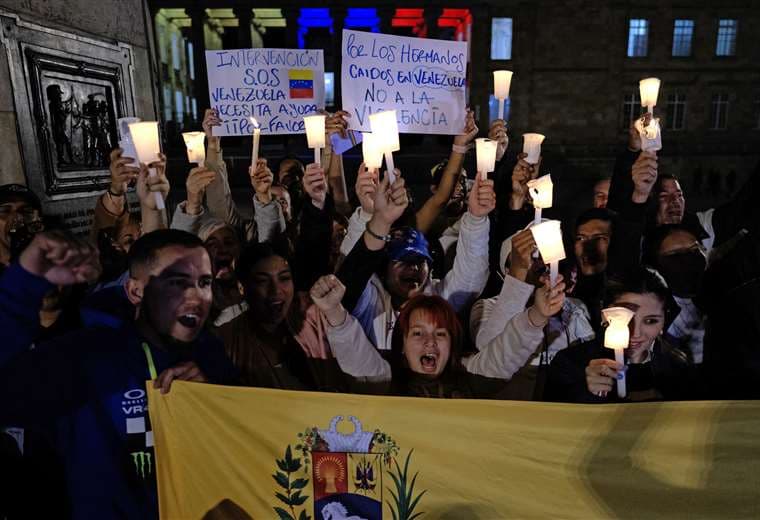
447	297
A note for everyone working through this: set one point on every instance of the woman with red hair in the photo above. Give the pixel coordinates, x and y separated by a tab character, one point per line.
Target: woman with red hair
426	357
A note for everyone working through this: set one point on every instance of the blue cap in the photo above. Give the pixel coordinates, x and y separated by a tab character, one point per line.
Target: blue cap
408	243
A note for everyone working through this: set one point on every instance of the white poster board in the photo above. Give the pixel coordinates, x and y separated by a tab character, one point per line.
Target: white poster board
276	86
423	80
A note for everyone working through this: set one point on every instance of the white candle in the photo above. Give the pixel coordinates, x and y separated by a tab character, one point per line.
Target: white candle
196	150
649	89
315	134
548	237
532	147
485	155
385	127
616	336
502	80
148	146
371	151
255	144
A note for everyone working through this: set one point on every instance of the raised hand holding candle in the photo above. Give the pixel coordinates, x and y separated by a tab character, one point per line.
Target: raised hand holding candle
651	137
255	145
485	154
616	336
196	149
532	147
148	146
541	192
315	135
385	127
548	237
371	151
502	80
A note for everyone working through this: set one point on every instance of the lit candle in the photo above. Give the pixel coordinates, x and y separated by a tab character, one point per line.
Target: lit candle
616	336
649	89
502	80
548	237
385	127
148	146
196	149
255	144
485	154
315	135
532	147
541	191
371	151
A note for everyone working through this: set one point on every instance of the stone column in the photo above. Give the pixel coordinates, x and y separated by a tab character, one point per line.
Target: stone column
244	16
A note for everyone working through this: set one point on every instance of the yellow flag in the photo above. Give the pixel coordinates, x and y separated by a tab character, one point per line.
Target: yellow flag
239	453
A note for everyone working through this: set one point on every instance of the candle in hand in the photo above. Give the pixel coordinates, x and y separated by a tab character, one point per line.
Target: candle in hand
548	237
385	127
371	151
532	147
255	145
485	155
502	80
616	336
315	134
649	89
541	192
196	150
148	146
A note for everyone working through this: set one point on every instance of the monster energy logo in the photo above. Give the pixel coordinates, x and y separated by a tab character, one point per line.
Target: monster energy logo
142	460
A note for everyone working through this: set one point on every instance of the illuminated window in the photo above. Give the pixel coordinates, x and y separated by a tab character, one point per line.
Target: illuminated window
683	32
195	108
719	111
638	38
167	104
329	89
179	103
676	111
413	20
501	39
313	18
726	44
175	52
455	24
362	18
631	108
190	61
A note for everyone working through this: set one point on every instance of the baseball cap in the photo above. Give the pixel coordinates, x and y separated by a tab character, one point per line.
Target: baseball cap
16	192
408	243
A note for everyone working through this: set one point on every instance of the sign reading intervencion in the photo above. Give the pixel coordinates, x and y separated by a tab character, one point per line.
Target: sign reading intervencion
423	80
275	86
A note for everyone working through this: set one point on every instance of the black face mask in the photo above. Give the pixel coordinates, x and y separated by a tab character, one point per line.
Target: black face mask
684	272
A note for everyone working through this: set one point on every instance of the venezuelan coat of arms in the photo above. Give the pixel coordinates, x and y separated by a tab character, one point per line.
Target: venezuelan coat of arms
345	476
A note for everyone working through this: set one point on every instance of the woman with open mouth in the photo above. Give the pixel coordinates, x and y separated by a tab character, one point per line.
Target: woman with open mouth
426	358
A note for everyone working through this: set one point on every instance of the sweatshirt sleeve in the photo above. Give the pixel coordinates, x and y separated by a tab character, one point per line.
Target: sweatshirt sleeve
356	271
469	274
218	194
269	219
497	312
355	354
184	222
21	295
509	351
356	225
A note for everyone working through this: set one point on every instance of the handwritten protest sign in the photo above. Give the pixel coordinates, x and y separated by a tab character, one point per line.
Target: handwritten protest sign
423	80
276	86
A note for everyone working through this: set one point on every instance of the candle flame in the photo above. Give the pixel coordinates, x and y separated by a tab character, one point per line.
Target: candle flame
253	121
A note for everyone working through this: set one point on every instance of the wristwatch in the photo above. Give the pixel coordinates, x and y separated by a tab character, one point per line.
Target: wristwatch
384	238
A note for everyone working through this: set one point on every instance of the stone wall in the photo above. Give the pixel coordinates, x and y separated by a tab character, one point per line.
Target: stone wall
118	23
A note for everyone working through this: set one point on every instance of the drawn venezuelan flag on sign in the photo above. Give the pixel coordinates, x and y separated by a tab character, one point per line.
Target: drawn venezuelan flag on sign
301	83
243	453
